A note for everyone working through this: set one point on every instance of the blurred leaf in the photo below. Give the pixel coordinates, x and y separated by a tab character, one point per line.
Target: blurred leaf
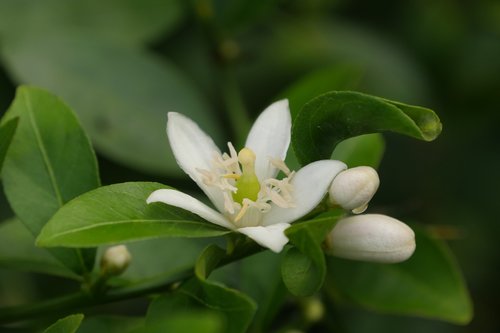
236	15
337	77
303	268
119	213
361	150
68	324
330	118
50	161
126	21
161	257
110	324
7	131
429	284
313	44
18	252
122	95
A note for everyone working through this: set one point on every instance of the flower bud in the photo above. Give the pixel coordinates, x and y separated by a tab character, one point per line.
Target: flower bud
115	260
353	188
313	309
371	237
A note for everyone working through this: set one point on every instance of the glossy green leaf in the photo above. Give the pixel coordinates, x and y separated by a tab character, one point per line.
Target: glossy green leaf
121	94
50	161
237	307
126	21
429	284
18	252
361	150
7	131
303	268
330	118
68	324
119	213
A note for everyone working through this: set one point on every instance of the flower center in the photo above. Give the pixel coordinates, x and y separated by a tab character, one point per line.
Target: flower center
246	198
247	184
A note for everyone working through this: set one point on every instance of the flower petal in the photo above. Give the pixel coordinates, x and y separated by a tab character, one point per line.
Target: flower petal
270	138
193	149
187	202
309	186
273	236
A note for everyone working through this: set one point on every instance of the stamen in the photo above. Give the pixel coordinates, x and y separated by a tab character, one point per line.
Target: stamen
280	165
243	210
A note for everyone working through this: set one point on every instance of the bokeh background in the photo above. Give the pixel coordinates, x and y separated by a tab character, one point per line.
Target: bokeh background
121	65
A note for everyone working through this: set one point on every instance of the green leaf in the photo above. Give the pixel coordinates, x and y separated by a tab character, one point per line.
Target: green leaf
259	276
126	21
238	308
177	312
330	118
68	324
119	213
429	284
121	94
50	161
110	324
18	252
303	268
361	150
337	77
7	131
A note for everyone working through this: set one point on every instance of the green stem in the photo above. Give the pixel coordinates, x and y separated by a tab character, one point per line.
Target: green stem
83	299
225	51
235	108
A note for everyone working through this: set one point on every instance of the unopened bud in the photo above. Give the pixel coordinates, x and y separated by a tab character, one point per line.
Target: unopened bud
371	237
353	188
313	309
115	260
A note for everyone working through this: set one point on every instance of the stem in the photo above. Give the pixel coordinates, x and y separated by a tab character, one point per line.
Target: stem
235	108
83	299
225	51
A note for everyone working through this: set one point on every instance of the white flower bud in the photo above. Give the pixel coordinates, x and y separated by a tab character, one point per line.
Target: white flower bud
371	237
353	188
115	260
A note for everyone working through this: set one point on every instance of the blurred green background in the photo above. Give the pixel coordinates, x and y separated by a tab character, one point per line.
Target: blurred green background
122	65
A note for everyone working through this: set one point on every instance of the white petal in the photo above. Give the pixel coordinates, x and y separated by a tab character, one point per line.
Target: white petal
193	149
270	138
273	236
310	185
187	202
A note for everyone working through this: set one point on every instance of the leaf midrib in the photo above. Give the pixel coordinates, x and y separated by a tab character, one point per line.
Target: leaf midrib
43	152
101	224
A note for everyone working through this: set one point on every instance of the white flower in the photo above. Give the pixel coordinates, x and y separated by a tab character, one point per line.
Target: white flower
371	237
243	186
353	189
